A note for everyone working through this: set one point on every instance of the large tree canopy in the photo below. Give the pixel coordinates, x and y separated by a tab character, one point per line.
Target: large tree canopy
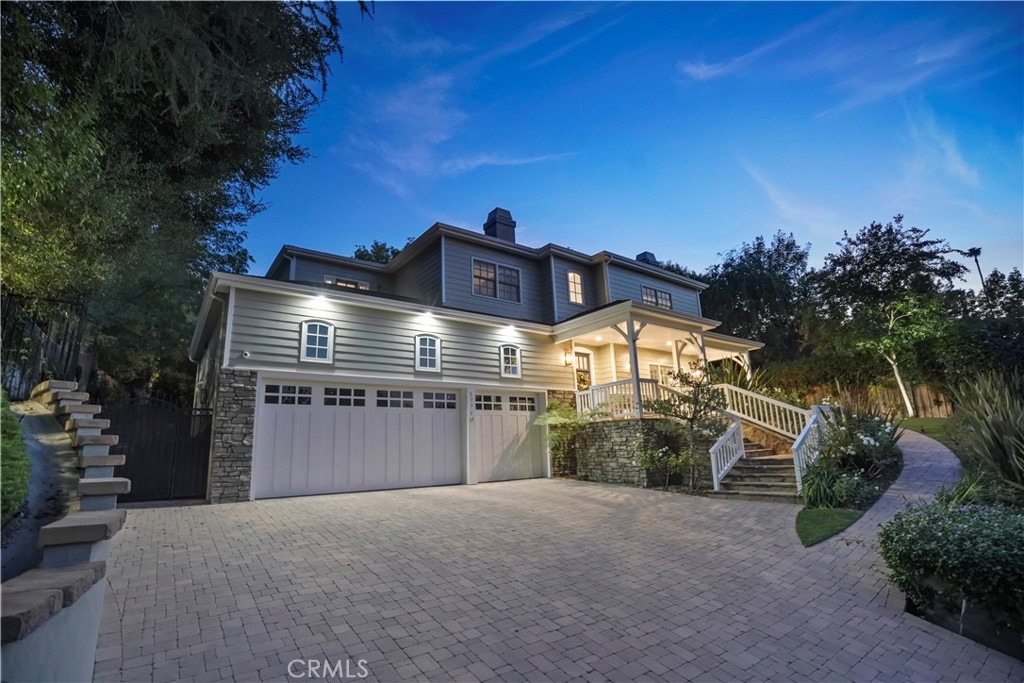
136	137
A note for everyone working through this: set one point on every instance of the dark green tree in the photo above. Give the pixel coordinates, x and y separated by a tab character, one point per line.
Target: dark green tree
377	252
758	291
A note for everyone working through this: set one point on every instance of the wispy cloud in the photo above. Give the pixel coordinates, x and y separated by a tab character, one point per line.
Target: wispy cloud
570	46
936	151
469	163
410	133
701	70
793	209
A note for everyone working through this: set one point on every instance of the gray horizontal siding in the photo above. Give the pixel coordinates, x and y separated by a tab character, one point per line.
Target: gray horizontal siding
421	278
311	270
564	307
459	283
380	343
626	284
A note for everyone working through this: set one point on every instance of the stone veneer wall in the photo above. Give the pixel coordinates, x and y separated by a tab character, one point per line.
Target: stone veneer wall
607	453
231	448
564	465
776	442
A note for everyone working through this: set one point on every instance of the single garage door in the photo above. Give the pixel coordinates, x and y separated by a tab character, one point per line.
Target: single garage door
338	437
509	444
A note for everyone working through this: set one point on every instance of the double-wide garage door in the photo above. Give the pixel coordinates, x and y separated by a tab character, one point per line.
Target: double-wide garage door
338	437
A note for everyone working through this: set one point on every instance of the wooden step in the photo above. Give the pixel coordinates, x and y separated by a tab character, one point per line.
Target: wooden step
104	486
82	527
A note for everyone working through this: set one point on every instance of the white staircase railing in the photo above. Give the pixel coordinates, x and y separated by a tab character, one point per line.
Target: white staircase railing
806	448
765	412
727	451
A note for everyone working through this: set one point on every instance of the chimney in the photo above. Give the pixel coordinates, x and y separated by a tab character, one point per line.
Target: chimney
500	224
648	258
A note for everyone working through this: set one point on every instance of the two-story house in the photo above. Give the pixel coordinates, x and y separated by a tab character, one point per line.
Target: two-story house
332	374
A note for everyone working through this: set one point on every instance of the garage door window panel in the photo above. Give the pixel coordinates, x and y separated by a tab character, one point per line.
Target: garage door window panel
488	402
522	404
438	400
288	394
394	399
344	397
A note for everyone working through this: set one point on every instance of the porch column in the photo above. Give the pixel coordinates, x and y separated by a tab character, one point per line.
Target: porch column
634	361
677	352
745	362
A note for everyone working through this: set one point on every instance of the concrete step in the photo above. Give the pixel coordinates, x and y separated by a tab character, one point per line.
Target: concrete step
63	398
82	527
763	497
104	486
755	486
53	385
781	478
113	460
86	423
777	459
84	410
754	466
78	440
754	452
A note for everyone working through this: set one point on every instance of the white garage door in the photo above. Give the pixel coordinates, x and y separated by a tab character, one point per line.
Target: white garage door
337	437
509	444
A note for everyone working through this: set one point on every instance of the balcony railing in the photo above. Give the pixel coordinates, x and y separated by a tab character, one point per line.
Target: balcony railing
616	400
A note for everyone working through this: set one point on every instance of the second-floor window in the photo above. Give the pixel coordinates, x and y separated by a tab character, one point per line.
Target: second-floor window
510	361
496	281
428	353
656	297
575	288
317	342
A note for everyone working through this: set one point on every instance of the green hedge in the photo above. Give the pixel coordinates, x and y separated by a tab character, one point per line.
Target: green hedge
14	463
942	553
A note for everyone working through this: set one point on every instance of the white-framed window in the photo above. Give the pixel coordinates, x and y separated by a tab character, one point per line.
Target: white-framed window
496	281
428	353
522	404
510	361
575	288
488	402
345	283
656	297
317	342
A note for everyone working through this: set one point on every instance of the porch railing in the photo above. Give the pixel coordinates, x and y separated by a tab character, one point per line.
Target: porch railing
727	451
617	399
806	448
766	412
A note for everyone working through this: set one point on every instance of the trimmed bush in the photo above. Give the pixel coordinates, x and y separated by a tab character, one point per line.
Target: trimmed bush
941	553
827	485
14	462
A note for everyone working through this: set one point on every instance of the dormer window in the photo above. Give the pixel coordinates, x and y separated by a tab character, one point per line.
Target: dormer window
656	297
344	283
428	353
317	342
575	288
496	281
510	361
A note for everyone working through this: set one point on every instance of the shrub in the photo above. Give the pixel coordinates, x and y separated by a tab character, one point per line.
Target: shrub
859	439
565	429
14	462
944	553
668	451
977	485
989	425
827	485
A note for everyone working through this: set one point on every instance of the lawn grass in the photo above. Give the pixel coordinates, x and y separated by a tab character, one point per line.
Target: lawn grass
14	464
814	525
935	427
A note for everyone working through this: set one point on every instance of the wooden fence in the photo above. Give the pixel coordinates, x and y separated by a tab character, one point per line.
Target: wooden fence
928	401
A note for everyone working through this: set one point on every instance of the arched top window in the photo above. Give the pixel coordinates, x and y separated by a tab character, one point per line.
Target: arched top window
511	361
575	288
317	342
428	353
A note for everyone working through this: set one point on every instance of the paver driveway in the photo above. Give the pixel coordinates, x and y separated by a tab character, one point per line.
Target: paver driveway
532	580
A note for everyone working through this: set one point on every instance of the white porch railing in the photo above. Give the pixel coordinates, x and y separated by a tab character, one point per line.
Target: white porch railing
727	451
765	412
806	448
618	399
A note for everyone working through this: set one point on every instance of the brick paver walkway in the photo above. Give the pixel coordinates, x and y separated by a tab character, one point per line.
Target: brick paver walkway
534	580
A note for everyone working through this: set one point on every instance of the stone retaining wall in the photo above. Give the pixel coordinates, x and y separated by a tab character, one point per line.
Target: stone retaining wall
231	446
607	453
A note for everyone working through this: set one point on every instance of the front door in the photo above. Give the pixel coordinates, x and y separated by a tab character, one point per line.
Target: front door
583	377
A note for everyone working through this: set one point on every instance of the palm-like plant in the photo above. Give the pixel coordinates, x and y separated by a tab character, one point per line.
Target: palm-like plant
990	412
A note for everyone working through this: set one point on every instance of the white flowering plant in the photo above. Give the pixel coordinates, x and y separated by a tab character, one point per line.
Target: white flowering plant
860	439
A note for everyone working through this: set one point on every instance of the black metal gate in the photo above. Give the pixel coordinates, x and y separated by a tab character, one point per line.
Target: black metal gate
166	447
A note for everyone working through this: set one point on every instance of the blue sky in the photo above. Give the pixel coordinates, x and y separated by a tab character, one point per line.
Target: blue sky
680	128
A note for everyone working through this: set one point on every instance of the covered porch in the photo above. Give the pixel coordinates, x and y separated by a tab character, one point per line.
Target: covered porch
624	354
